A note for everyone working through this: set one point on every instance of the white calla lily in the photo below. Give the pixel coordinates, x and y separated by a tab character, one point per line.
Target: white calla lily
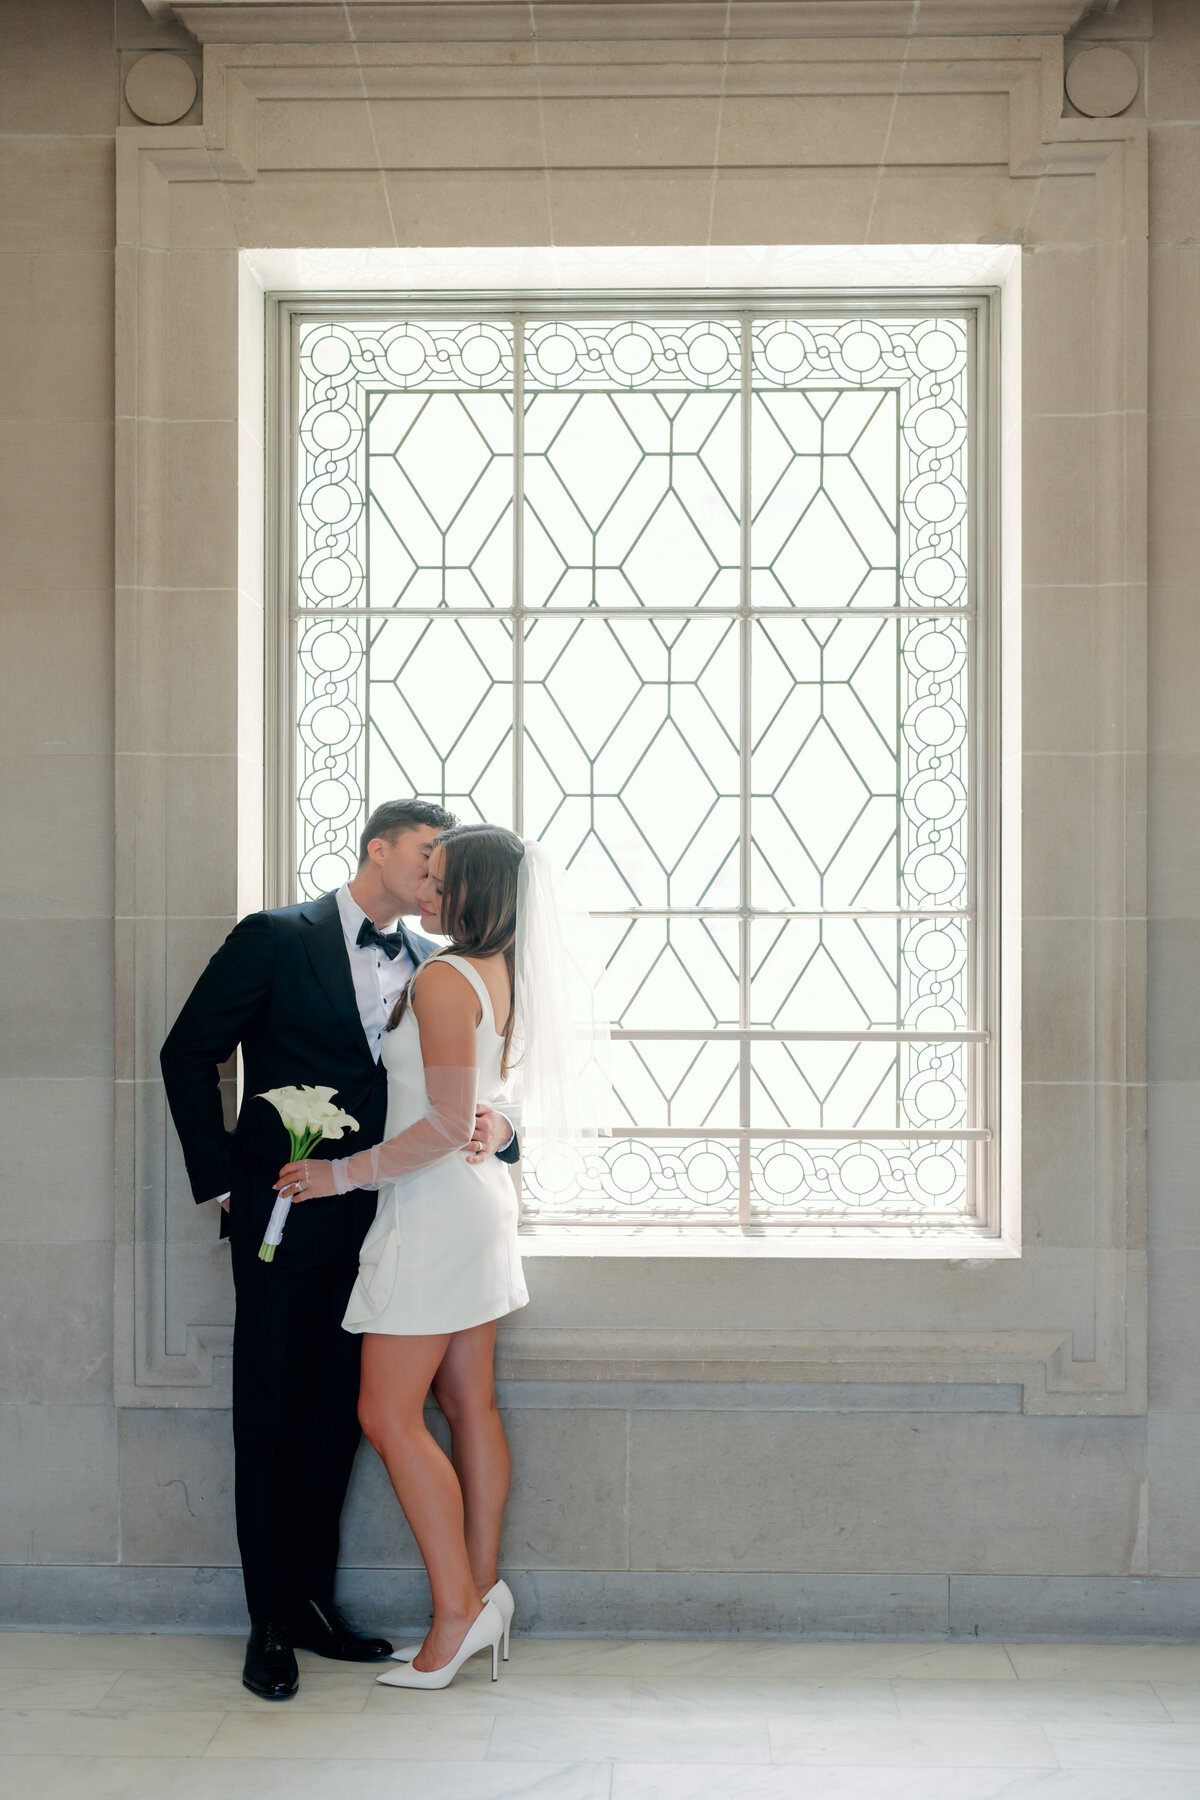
309	1116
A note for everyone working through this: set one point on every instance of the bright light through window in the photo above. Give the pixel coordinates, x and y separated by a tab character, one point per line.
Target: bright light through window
691	598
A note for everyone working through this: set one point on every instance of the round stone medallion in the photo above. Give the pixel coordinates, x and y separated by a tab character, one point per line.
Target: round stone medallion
1102	82
160	88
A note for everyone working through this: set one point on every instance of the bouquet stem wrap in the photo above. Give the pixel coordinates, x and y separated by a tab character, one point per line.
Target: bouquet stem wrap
301	1145
309	1117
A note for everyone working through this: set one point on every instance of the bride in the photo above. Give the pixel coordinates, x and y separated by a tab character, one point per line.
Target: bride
441	1264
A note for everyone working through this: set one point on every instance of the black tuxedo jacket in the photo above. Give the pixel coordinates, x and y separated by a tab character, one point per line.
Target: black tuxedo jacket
281	987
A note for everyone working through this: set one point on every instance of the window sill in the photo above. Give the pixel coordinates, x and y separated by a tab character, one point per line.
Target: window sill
946	1246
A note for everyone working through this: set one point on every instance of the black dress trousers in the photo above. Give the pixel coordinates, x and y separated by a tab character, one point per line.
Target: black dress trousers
295	1422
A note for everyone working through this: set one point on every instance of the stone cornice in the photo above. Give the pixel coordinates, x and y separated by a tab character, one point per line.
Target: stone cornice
506	21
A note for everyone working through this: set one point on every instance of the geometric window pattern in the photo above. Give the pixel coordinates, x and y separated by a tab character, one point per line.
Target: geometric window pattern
687	597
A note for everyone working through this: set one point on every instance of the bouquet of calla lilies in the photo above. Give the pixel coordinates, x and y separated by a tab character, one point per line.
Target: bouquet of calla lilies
309	1117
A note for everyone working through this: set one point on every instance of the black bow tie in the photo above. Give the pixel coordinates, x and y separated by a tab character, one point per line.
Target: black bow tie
390	942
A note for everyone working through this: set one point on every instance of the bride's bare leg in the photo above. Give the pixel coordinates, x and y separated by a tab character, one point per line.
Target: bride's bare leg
396	1375
465	1389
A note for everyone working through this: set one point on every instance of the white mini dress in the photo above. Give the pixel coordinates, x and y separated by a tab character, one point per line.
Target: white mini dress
442	1253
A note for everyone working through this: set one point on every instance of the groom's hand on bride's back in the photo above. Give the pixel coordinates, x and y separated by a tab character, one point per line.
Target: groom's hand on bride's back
492	1132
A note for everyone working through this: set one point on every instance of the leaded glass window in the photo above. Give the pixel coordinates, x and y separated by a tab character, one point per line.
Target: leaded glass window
692	597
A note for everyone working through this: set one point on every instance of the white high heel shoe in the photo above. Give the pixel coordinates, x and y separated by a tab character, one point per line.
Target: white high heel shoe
484	1633
501	1596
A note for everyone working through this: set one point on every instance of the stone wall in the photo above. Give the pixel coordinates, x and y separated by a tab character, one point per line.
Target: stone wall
1173	1451
838	1446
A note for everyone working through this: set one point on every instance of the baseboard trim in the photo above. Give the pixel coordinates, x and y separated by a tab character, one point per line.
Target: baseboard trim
646	1604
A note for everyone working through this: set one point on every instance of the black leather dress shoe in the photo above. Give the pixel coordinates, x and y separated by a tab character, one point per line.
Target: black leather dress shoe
321	1627
270	1668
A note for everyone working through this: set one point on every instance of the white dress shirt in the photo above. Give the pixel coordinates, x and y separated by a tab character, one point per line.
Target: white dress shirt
378	978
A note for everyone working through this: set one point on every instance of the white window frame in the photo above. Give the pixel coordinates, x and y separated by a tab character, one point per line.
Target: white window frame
995	1230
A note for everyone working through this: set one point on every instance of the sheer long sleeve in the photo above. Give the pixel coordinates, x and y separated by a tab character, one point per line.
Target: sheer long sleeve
447	1126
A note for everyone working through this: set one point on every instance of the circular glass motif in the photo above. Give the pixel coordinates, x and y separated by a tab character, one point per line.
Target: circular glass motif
933	577
708	353
933	799
329	725
331	430
934	874
330	504
706	1172
557	1175
329	355
930	1101
934	724
936	1174
703	1173
934	427
935	501
936	950
331	577
783	1173
934	1018
481	355
632	354
630	1173
329	651
860	351
330	799
556	354
329	871
859	1174
785	351
933	647
937	350
406	356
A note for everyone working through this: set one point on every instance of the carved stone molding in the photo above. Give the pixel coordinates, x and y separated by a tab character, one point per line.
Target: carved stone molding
1067	1320
1042	1363
365	21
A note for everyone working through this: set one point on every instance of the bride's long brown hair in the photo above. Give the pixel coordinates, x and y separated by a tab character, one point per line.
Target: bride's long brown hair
479	905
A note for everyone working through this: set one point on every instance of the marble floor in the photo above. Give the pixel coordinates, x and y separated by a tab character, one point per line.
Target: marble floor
89	1717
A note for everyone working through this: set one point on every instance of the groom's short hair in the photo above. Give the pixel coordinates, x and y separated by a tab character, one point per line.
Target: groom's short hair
395	816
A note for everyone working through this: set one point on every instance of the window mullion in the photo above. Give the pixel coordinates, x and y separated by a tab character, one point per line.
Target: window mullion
745	628
518	593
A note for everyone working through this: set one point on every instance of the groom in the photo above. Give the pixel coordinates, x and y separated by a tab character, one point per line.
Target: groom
306	991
